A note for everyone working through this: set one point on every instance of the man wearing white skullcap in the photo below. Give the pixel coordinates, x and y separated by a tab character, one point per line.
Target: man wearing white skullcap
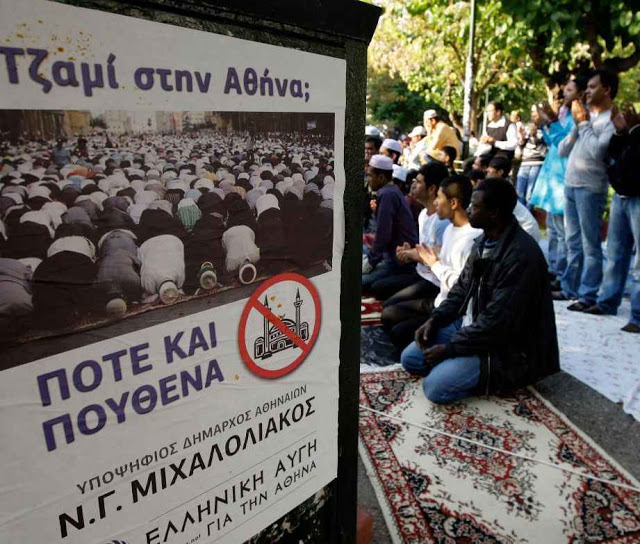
395	227
411	154
392	149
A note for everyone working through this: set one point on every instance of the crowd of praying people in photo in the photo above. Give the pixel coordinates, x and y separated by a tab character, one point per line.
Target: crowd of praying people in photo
93	229
452	248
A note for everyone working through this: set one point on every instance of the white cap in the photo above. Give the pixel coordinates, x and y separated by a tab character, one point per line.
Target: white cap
381	162
370	130
430	114
399	173
394	145
417	131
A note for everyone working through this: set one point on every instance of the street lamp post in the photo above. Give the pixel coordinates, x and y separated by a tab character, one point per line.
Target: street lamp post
468	81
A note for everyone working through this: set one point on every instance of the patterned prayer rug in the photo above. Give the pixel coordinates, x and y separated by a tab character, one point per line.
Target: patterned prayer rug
370	311
433	488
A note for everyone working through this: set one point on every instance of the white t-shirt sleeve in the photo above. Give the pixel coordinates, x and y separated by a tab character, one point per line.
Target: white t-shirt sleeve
527	221
456	248
422	223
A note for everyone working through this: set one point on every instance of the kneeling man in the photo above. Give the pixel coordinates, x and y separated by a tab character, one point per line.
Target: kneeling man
496	329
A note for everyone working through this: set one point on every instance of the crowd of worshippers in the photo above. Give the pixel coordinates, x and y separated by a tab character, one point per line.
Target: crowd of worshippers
455	257
94	229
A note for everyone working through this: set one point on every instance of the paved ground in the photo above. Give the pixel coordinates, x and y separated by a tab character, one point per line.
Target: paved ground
614	431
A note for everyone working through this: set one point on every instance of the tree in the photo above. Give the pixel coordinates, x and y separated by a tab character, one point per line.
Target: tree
425	42
566	36
390	102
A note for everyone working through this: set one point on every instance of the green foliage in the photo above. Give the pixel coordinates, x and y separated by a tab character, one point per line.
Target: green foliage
391	103
564	33
418	54
425	42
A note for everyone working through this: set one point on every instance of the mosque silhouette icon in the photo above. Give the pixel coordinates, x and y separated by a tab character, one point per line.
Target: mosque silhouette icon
273	340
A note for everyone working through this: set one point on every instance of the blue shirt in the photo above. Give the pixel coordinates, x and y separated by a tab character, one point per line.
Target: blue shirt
395	225
548	192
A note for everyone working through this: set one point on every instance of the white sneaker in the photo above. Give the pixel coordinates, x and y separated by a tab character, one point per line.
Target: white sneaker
116	307
247	273
168	292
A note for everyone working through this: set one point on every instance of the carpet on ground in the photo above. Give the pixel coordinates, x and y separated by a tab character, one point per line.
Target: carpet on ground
376	349
370	311
594	350
433	488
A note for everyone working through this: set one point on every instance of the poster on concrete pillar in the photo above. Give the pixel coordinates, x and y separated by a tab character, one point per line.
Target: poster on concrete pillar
171	229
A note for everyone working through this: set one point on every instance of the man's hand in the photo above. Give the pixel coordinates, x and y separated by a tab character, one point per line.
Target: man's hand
435	354
579	112
403	247
631	117
427	255
373	204
423	333
406	254
487	140
619	121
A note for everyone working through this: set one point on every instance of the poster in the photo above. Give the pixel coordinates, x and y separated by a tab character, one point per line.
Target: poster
170	242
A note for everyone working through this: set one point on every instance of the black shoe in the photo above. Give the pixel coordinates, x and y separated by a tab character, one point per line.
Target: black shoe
559	295
631	327
555	285
594	310
578	307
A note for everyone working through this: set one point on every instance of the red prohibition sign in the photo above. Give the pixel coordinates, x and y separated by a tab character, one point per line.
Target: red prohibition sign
255	304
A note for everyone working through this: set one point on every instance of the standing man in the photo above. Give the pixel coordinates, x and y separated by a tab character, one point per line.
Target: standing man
411	154
533	150
548	193
586	186
624	222
60	154
507	336
501	136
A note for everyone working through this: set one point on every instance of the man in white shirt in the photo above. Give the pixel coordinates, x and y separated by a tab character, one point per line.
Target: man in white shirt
454	196
411	159
500	136
406	310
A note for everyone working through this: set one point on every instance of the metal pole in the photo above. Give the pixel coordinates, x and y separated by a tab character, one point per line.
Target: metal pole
468	81
484	113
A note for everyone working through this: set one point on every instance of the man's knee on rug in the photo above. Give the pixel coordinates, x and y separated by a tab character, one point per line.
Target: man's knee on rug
438	392
412	360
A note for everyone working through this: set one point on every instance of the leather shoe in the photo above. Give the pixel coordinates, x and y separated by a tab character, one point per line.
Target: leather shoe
631	327
559	295
594	310
555	285
578	307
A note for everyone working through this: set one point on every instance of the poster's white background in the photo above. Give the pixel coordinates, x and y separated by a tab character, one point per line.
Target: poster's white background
38	485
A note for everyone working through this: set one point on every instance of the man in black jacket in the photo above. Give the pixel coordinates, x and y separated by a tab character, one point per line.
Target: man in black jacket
496	330
624	218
